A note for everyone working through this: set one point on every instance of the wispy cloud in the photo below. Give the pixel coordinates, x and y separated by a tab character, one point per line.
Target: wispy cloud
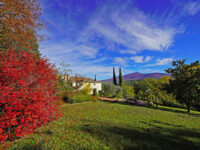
147	59
143	34
162	62
80	61
121	61
151	71
192	8
108	34
136	31
86	50
141	59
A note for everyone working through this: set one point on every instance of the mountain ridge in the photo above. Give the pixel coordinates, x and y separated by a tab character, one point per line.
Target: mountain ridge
138	76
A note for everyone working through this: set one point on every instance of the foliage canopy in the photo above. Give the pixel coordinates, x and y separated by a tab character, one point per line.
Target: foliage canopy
19	23
185	84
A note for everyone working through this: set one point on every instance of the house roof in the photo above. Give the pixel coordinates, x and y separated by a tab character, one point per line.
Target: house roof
83	79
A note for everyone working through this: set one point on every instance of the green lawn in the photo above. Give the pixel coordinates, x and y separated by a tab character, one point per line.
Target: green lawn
106	125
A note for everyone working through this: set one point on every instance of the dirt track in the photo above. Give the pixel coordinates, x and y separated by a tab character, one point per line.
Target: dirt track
107	99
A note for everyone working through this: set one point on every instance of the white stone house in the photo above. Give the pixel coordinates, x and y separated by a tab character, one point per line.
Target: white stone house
84	81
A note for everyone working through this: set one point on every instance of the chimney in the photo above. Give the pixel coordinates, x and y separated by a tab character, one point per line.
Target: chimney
95	77
65	77
68	77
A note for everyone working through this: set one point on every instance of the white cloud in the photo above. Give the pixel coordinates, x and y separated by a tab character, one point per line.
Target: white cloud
147	59
162	62
128	51
86	66
135	31
109	29
121	61
64	48
141	59
151	71
63	52
192	8
87	51
141	35
138	59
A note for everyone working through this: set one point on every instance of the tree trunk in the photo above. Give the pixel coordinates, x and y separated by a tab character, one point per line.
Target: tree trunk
188	107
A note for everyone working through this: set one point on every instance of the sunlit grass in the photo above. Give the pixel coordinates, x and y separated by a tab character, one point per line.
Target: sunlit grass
105	125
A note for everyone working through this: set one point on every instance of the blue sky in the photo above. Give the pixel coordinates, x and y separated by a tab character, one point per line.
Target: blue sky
137	35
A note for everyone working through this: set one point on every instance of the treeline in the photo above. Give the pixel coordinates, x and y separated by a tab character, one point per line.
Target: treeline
150	90
181	89
153	91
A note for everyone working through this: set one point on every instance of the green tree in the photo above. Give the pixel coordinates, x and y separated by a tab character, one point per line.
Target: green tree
185	84
114	77
128	91
120	76
154	91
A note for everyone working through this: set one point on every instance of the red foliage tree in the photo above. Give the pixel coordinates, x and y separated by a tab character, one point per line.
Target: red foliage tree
27	93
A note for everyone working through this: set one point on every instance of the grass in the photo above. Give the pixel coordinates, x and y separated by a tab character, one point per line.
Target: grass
106	125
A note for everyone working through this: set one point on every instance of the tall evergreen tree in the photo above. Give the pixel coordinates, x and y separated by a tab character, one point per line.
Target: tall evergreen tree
114	76
120	76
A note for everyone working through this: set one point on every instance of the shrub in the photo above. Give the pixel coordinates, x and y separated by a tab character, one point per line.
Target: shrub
154	91
169	100
86	89
100	93
95	98
80	98
111	90
27	93
65	90
118	91
128	91
66	94
95	92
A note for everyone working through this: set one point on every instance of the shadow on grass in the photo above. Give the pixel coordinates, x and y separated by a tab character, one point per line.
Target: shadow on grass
174	110
30	147
168	124
159	108
140	138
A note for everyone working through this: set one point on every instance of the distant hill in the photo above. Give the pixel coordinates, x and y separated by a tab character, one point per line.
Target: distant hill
139	76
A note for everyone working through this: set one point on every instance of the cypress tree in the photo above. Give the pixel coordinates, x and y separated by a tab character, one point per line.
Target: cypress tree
114	77
120	76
